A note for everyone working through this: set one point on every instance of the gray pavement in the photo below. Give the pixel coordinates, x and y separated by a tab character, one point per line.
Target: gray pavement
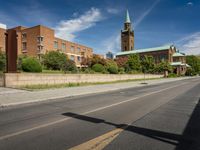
158	116
9	97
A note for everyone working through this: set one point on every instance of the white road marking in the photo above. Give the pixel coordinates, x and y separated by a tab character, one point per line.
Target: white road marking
91	111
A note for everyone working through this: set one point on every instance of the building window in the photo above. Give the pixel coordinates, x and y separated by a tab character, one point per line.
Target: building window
79	58
72	49
24	45
40	39
79	49
40	48
72	57
55	44
24	35
63	46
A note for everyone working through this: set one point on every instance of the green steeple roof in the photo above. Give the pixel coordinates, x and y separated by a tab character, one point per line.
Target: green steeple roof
127	17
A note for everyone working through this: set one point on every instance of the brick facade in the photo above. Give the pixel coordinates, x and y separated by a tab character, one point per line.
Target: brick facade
39	39
2	39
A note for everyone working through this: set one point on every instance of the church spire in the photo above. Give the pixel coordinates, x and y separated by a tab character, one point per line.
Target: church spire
127	17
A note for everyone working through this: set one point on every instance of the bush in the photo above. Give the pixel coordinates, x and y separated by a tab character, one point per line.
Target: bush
98	68
69	65
89	71
19	61
111	66
113	70
2	61
54	60
172	75
121	70
30	64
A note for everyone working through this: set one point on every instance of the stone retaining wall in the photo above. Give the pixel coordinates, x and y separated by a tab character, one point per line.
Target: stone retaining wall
22	79
1	80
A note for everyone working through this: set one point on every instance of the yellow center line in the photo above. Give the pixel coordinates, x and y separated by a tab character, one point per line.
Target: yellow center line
99	142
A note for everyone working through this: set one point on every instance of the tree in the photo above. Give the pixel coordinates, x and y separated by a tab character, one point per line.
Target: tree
54	60
2	61
162	67
148	64
194	62
121	61
134	62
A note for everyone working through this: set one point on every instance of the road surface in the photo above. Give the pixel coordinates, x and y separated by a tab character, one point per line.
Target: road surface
153	117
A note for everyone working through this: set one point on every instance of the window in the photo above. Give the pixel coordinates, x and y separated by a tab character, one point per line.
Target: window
72	48
40	48
40	39
24	46
79	58
63	47
79	49
72	57
23	35
55	44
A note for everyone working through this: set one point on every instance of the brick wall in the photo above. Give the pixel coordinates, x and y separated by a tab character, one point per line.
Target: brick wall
2	39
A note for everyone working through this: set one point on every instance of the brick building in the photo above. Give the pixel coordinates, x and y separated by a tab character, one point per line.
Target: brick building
2	39
38	40
167	53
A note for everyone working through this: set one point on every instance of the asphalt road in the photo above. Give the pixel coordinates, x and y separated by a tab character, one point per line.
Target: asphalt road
157	117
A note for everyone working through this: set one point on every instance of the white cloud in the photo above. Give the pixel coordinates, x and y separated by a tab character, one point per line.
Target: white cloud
190	44
113	10
141	18
190	4
112	43
67	29
3	26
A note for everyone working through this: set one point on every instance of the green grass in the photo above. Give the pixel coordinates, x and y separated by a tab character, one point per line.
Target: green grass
49	86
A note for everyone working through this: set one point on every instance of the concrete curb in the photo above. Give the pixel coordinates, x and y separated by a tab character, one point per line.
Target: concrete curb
136	84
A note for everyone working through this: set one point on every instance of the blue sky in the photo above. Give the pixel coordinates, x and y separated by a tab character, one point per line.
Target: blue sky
97	23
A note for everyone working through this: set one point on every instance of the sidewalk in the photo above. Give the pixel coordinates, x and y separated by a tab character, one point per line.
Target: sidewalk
10	97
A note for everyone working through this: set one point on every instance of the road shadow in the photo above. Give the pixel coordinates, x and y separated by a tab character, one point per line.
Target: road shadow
190	139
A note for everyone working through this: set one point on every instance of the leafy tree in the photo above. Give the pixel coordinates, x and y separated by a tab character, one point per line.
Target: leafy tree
163	66
2	61
121	61
194	62
148	64
134	62
54	60
31	64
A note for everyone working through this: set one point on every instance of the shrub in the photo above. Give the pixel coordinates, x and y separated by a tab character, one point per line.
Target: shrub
111	66
19	61
172	75
2	61
121	70
98	68
54	60
69	65
89	71
30	64
113	70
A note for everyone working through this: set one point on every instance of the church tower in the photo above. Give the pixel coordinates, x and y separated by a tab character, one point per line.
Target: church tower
127	35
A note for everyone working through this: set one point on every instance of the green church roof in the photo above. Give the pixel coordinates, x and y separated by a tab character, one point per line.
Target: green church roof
128	20
145	50
177	54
